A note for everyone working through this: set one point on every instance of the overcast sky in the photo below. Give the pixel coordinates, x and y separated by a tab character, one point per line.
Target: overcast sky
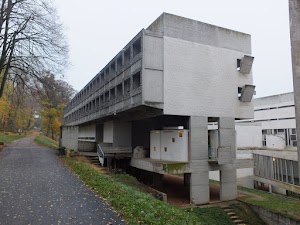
98	30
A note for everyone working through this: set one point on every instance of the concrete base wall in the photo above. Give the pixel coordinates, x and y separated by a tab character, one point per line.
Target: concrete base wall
273	218
85	146
122	134
69	137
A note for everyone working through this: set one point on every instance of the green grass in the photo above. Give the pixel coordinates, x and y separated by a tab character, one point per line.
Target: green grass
127	196
9	137
246	214
212	215
284	205
45	141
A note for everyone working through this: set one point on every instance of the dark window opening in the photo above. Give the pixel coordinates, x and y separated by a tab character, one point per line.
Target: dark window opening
119	63
97	102
136	78
112	93
113	69
119	90
107	73
107	96
93	105
102	99
127	56
102	77
238	64
137	47
127	86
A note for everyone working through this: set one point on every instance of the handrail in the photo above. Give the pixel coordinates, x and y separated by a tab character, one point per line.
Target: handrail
100	151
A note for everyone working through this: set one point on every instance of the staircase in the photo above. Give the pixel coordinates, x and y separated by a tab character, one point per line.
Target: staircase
108	152
230	212
94	160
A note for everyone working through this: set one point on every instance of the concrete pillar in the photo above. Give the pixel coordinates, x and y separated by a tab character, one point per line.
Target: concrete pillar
228	184
226	158
199	180
294	6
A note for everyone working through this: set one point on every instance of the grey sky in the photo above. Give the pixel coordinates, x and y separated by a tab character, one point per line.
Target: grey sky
98	30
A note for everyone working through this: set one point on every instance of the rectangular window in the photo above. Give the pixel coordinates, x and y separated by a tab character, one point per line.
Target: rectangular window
112	93
119	90
107	96
136	80
119	63
137	47
113	69
127	56
127	86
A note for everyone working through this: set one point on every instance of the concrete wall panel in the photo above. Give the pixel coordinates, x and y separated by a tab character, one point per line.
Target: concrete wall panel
203	80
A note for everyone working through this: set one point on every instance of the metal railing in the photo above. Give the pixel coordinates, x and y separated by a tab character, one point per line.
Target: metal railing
100	154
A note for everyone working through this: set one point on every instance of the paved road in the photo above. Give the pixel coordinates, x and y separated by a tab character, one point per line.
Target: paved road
35	188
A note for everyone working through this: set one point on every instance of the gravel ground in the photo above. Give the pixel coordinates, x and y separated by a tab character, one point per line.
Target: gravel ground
36	188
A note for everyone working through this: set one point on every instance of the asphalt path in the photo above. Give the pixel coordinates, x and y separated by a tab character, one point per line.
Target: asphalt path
36	188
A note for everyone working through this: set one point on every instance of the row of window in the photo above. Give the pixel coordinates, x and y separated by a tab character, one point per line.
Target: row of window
289	135
121	90
108	73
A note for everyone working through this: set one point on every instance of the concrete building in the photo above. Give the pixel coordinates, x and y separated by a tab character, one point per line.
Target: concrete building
156	98
273	125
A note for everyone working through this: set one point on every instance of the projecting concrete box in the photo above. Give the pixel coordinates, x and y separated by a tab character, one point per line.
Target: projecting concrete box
169	145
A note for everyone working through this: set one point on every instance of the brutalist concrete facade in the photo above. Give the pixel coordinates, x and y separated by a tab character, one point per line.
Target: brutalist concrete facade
177	72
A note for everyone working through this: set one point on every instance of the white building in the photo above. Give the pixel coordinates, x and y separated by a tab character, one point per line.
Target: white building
161	91
274	118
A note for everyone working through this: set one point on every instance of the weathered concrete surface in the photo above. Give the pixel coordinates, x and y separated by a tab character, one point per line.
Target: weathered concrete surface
294	6
35	188
199	179
273	218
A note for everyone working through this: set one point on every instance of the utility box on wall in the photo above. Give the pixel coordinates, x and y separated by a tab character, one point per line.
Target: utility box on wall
169	145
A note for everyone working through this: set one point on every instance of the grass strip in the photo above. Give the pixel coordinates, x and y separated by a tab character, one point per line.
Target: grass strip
281	204
8	138
45	141
125	194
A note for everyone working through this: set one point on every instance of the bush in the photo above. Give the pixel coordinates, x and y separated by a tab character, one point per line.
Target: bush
62	150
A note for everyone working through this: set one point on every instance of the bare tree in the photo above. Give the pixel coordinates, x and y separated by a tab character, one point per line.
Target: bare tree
31	41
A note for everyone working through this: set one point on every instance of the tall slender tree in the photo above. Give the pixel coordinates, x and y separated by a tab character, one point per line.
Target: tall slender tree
31	41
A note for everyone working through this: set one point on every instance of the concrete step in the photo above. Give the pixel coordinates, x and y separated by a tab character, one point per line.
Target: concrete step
228	210
237	221
234	217
231	214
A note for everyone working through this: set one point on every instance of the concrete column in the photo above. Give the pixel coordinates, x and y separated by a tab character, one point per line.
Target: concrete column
294	6
226	158
228	184
199	180
227	141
